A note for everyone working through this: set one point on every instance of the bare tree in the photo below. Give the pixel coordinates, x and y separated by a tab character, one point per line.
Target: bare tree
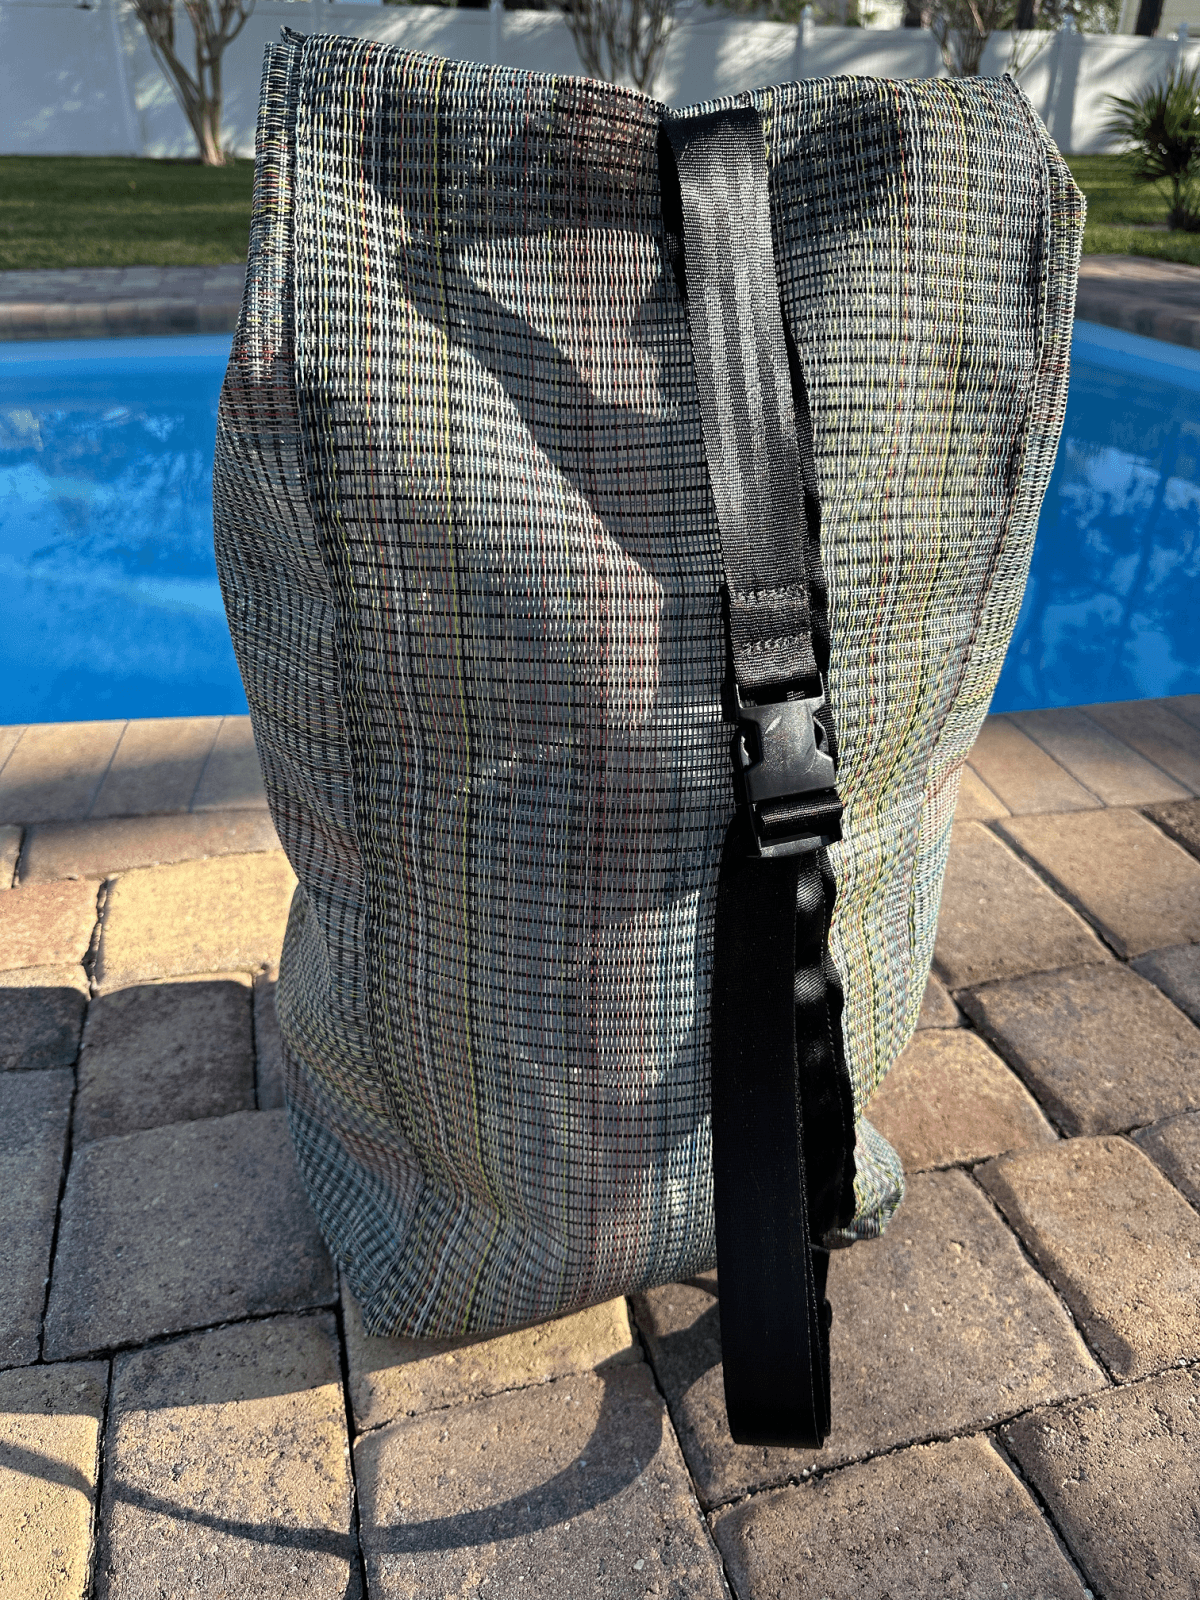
621	40
1026	44
215	24
962	29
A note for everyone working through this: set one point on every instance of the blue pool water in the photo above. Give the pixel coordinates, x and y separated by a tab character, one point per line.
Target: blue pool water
108	588
1112	608
109	593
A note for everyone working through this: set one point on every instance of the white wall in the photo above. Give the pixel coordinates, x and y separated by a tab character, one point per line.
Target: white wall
83	81
1072	76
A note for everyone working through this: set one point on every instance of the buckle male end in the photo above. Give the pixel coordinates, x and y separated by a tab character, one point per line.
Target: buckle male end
780	753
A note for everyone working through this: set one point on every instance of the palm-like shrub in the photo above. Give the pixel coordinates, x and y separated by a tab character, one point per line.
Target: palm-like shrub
1162	124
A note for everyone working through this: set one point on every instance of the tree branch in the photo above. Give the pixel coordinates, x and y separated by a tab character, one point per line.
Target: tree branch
199	95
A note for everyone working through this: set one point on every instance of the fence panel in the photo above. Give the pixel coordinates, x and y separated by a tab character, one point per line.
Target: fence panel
82	80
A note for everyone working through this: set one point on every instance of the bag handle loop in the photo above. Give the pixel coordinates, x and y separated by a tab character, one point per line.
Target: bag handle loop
782	1107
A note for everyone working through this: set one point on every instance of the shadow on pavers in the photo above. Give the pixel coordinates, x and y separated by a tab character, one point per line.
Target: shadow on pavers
567	1495
41	1022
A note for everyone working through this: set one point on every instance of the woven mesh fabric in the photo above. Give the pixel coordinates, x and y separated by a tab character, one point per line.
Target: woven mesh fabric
472	571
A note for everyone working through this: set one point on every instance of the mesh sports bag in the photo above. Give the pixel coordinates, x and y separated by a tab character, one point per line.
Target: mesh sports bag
622	518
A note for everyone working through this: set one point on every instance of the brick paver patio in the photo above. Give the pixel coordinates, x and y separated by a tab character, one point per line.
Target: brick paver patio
188	1404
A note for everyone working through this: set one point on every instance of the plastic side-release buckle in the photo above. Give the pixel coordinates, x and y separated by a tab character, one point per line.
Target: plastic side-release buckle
780	753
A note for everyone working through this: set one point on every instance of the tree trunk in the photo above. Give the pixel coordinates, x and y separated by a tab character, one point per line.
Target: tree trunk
215	23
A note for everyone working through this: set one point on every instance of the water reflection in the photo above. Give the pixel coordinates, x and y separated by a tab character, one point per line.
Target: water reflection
110	589
110	595
1110	610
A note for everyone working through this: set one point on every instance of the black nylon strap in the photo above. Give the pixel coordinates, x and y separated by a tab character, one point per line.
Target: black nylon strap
782	1111
745	389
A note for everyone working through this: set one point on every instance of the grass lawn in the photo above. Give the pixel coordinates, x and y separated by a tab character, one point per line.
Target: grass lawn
1117	207
119	211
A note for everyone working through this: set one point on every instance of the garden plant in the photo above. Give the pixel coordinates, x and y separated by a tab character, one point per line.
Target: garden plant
1162	127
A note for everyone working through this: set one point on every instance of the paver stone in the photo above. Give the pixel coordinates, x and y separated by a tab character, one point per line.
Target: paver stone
1104	764
56	769
1157	733
99	849
939	1328
948	1100
49	1452
1181	819
1120	1243
268	1043
35	1108
1174	1147
227	1468
41	1017
157	766
10	853
1186	706
1177	973
1022	774
173	1051
1120	1473
942	1519
575	1490
10	737
976	802
231	779
1139	887
998	919
1099	1046
391	1378
181	1227
223	915
47	924
937	1008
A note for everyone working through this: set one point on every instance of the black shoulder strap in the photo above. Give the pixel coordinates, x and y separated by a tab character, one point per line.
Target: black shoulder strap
782	1109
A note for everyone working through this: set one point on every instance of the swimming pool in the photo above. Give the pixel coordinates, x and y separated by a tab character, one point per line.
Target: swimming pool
1111	607
109	588
110	599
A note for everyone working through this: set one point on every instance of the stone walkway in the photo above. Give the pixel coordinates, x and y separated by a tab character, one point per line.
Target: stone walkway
119	302
1159	299
189	1406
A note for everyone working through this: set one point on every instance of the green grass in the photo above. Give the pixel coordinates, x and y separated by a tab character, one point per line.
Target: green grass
119	211
1116	207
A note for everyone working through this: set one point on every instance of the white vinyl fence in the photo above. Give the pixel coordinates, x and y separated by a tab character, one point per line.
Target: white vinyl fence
79	79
